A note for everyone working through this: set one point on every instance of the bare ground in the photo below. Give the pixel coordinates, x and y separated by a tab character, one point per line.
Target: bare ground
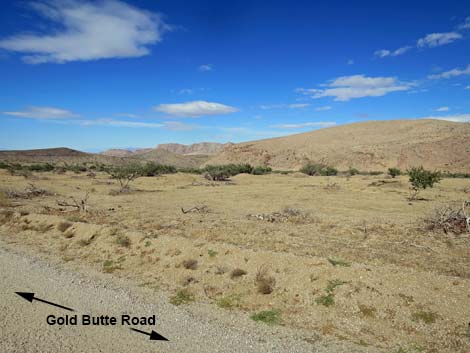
347	259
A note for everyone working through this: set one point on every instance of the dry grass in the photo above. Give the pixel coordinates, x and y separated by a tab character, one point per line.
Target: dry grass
264	282
370	236
237	272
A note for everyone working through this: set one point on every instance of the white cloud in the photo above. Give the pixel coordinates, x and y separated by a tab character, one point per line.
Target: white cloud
451	73
179	126
442	109
302	125
466	24
205	67
458	118
324	108
89	31
289	106
186	91
384	52
43	113
195	109
350	62
128	115
438	39
467	87
357	86
120	123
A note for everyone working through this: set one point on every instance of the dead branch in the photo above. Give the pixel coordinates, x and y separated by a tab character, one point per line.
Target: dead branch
81	205
200	209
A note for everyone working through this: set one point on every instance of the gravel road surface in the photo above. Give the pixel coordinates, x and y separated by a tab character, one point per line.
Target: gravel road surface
192	328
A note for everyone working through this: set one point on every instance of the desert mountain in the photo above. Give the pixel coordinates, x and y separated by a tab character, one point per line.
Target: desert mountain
373	145
207	148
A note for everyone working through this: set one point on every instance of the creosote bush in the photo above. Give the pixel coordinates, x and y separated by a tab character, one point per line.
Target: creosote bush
313	169
394	172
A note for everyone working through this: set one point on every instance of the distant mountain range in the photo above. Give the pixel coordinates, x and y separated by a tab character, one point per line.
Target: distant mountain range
202	148
367	146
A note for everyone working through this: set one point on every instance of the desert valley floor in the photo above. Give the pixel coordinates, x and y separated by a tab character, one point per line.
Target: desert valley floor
344	258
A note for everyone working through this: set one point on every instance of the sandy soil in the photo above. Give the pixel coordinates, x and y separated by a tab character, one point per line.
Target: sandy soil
193	329
346	259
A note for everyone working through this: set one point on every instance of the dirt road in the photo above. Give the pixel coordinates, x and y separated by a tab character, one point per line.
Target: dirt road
193	328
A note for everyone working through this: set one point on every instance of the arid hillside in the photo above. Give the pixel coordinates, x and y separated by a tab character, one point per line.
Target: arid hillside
196	148
374	145
70	156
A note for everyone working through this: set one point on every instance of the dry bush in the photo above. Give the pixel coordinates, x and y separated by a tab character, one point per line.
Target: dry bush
63	226
237	272
264	281
29	192
190	264
80	205
123	240
449	219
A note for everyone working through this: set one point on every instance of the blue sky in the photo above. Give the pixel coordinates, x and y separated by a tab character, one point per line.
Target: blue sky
93	75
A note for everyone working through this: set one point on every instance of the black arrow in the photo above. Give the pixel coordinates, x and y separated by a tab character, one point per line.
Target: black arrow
153	335
30	297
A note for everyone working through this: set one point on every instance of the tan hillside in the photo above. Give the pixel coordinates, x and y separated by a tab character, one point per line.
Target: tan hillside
70	156
116	152
195	148
56	155
166	157
374	145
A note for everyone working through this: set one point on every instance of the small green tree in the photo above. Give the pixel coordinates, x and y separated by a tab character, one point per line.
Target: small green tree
125	174
353	171
421	178
394	172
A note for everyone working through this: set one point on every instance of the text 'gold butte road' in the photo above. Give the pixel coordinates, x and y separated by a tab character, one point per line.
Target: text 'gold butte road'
102	320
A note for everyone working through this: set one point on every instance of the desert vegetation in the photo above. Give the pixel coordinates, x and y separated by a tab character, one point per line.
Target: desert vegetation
311	250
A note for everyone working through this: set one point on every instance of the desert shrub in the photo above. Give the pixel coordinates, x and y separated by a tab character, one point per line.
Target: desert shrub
318	169
183	296
353	171
190	170
125	174
154	169
394	172
229	301
264	282
123	240
63	226
270	317
76	168
449	219
237	272
216	173
46	167
421	179
190	264
212	253
223	172
455	175
326	299
261	170
4	165
428	317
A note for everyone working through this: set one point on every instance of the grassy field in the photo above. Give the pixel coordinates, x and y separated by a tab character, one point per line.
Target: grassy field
348	257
